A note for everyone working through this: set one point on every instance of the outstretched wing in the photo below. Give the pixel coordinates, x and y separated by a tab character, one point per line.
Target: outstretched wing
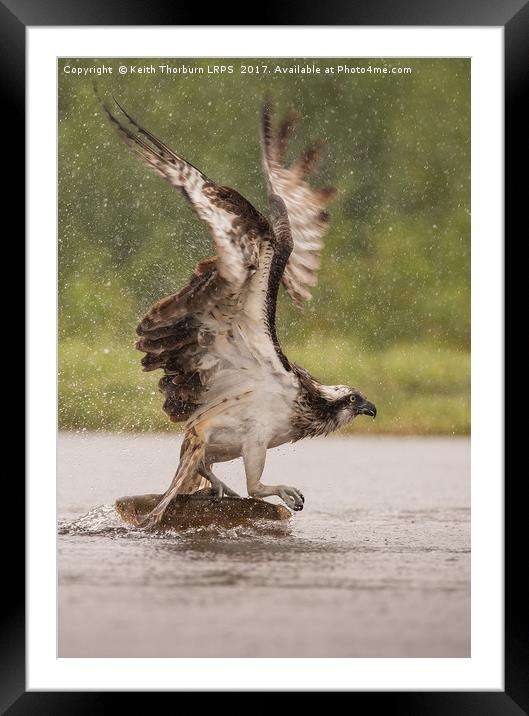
307	215
237	228
218	331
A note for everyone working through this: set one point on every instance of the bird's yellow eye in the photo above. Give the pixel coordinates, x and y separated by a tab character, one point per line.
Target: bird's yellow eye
352	398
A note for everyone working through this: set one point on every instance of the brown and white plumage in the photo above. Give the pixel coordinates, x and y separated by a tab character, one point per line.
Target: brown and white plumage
224	370
308	217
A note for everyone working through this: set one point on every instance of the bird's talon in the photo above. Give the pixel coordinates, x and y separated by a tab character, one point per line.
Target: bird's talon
216	496
292	498
149	522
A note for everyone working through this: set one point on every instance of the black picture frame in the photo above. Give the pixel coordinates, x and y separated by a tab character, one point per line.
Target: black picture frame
513	15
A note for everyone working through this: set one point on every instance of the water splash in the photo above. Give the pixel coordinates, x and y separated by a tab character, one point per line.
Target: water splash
101	520
105	521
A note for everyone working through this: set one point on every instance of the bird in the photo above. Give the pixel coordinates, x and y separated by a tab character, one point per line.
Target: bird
225	374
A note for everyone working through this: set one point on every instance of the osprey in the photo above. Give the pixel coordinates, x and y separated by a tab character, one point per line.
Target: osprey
215	340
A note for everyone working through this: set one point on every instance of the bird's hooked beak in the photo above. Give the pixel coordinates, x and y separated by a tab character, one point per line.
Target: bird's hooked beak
367	408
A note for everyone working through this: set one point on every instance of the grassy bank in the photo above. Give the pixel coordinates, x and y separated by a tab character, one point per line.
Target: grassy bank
418	388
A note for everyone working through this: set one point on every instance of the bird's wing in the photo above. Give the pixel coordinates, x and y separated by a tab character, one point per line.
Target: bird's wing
218	332
237	228
307	215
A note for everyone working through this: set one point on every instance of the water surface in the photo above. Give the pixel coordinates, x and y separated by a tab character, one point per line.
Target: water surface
376	565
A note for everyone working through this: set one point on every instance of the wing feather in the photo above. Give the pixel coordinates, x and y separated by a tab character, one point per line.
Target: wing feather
308	218
236	226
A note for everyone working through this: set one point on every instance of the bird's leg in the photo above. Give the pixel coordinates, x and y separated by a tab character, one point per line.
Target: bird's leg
219	489
184	481
254	456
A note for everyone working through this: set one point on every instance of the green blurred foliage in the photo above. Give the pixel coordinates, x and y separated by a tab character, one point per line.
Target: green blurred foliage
391	312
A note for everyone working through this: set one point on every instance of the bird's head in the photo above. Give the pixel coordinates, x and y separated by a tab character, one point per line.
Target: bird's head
321	409
346	403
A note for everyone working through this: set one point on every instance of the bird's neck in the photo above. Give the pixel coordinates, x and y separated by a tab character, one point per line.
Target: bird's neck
314	411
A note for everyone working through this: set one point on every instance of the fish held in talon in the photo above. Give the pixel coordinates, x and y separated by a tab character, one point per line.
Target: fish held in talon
225	374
